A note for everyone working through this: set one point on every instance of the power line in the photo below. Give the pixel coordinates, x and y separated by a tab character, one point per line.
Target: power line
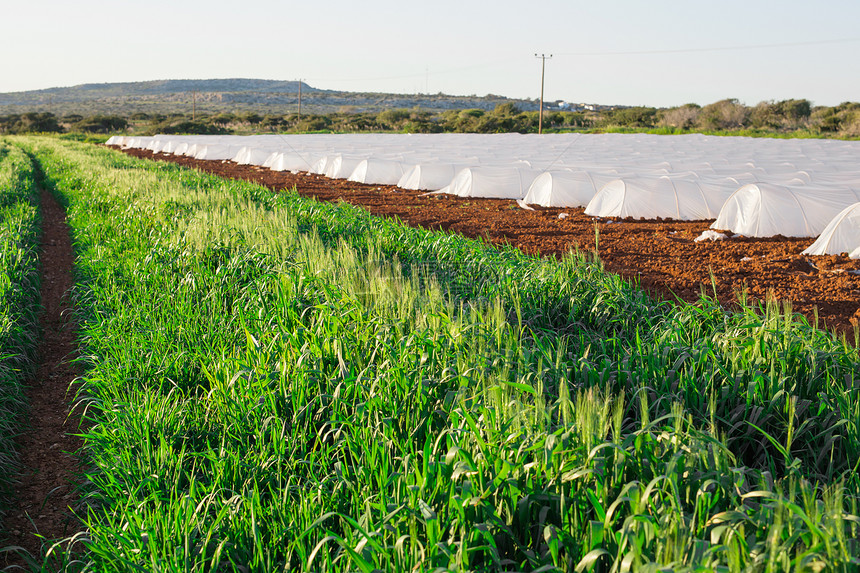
714	49
491	63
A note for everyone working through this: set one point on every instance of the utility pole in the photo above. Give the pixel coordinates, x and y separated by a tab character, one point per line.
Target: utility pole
543	58
194	105
300	99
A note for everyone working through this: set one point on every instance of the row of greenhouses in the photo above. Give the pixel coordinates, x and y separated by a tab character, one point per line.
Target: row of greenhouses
751	187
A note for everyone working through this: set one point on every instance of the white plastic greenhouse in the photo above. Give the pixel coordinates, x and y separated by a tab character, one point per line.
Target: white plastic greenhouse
841	235
288	161
249	155
216	152
664	197
341	166
377	172
429	176
566	188
491	182
765	210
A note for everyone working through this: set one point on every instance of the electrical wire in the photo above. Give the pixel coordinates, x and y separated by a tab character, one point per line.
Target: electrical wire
711	49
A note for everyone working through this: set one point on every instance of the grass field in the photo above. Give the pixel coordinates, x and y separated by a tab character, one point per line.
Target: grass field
279	384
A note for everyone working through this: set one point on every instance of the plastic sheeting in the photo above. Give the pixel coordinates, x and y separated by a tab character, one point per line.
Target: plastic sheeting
491	182
841	235
289	161
765	210
249	155
566	188
429	176
377	172
217	152
663	197
341	166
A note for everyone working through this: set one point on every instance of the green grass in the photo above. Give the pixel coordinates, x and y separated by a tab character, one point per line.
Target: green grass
800	133
279	384
85	137
19	300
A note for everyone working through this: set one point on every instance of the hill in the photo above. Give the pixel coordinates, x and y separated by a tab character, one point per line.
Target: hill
228	95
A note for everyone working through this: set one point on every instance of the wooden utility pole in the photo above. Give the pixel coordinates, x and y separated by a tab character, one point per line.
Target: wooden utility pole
300	99
543	58
194	105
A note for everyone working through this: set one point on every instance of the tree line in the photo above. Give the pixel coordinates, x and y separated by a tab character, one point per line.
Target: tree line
797	117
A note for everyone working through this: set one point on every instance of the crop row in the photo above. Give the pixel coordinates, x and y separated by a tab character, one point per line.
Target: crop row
274	383
19	298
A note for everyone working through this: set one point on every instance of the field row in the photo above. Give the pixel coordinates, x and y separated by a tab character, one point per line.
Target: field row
274	383
19	299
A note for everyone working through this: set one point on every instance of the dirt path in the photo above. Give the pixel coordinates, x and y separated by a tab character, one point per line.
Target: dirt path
661	255
42	499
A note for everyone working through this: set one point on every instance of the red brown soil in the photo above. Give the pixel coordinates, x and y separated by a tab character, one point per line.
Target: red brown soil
661	255
41	500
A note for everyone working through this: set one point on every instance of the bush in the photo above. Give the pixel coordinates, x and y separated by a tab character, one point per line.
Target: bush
394	118
32	122
834	119
102	124
786	114
684	117
315	123
198	127
633	117
724	114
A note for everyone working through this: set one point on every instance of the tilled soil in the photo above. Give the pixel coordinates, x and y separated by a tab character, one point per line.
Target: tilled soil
40	506
661	255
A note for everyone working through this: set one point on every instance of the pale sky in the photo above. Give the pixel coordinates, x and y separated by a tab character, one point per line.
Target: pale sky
701	52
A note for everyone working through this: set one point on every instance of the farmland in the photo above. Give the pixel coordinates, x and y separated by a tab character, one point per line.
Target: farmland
276	383
661	256
572	183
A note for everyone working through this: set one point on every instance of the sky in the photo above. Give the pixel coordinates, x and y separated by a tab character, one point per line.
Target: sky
625	52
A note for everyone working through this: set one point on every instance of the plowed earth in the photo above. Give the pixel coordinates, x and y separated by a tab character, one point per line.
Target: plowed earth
661	255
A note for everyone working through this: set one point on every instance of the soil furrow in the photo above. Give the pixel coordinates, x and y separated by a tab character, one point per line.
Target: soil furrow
46	489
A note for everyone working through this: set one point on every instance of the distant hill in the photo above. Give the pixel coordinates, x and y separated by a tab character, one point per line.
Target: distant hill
232	94
85	92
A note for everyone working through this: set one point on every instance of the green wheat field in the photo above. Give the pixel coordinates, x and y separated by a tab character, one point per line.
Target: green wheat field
276	384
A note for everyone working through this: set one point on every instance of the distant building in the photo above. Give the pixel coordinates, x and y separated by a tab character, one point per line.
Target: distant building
565	106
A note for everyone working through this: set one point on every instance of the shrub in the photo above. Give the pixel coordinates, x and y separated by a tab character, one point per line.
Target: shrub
683	117
724	114
102	124
31	122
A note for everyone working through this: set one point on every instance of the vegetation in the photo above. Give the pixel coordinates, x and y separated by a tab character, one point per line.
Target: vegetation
19	298
32	122
788	118
278	384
